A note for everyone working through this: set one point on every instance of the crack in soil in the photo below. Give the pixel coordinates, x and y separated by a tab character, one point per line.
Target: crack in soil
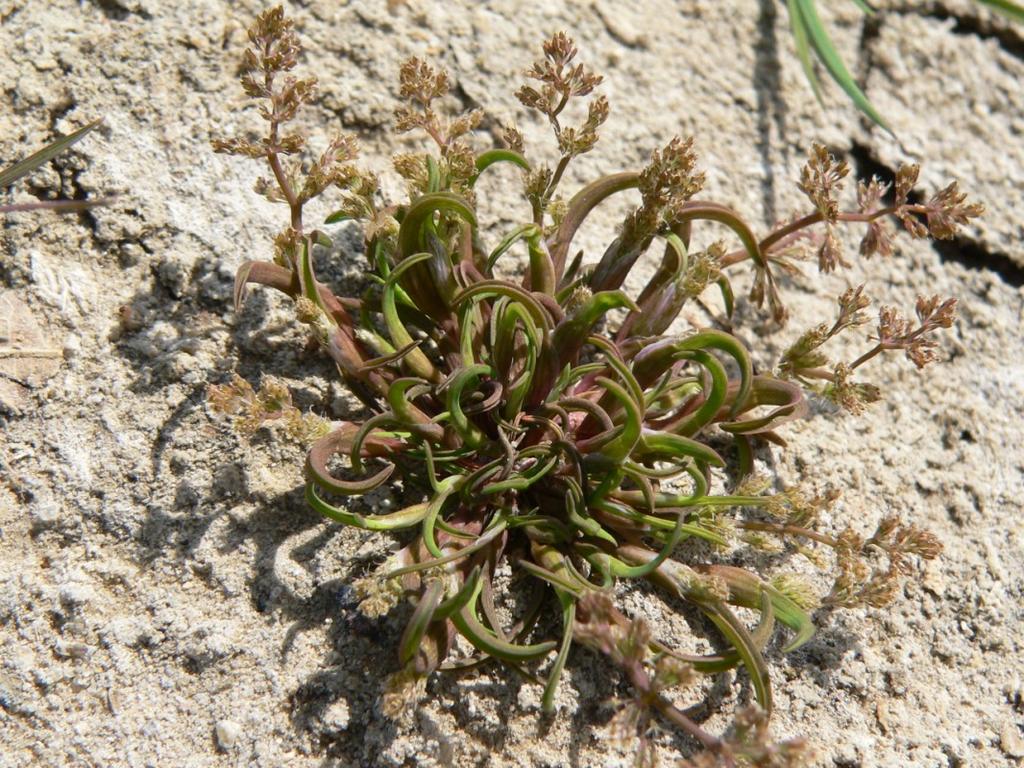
1008	38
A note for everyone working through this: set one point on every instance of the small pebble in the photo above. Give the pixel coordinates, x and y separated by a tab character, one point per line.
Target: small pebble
44	513
227	732
77	650
336	717
1010	740
72	347
75	593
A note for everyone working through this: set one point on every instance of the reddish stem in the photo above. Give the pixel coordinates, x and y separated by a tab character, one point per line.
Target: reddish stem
294	204
642	682
795	530
810	219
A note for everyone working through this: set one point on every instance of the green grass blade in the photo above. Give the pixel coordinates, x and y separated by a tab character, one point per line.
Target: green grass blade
44	155
803	49
1006	7
830	57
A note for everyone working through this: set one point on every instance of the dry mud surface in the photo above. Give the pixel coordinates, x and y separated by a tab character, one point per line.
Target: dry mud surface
167	599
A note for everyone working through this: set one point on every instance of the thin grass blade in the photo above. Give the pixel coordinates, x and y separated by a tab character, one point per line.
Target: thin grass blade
44	155
1008	8
829	56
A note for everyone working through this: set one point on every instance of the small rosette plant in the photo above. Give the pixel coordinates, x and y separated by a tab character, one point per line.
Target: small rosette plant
547	440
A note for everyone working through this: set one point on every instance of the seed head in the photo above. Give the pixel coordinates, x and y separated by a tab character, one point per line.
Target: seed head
821	180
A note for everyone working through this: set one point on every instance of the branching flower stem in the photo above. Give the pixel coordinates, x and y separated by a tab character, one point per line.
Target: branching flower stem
793	530
883	346
641	681
672	714
274	159
776	237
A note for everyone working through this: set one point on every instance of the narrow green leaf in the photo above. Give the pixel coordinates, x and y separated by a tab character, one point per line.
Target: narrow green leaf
400	399
673	263
691	424
446	488
486	159
416	360
568	623
338	216
1007	7
763	631
411	230
307	280
551	578
669	445
513	237
803	49
652	361
523	481
747	590
433	175
579	516
621	570
469	432
572	332
621	446
694	210
661	527
542	267
404	518
419	621
727	295
580	206
613	357
485	641
538	314
496	528
460	598
413	238
738	636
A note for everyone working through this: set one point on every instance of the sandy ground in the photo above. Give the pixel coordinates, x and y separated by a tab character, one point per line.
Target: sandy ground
167	599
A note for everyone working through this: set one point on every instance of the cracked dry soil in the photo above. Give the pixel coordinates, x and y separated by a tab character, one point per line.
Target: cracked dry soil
167	599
